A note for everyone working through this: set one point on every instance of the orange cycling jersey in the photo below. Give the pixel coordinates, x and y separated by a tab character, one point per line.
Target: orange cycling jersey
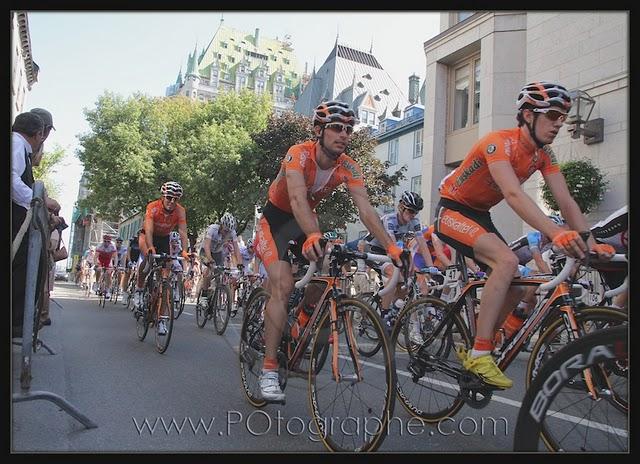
319	182
163	221
471	183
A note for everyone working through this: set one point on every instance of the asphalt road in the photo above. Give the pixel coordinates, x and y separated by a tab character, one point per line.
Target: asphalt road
190	399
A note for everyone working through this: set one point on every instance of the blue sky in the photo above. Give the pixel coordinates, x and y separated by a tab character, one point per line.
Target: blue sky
83	54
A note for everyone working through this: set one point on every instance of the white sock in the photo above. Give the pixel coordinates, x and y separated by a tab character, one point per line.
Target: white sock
478	353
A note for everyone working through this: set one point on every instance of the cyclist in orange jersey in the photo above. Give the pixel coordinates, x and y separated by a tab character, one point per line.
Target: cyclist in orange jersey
309	172
161	217
494	169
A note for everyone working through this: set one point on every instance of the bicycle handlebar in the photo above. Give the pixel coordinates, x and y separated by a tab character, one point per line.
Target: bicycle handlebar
561	277
165	256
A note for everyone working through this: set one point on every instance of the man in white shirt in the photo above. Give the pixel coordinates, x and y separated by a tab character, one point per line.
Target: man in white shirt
27	135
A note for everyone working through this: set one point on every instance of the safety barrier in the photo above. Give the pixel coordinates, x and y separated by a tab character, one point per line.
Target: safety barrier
38	229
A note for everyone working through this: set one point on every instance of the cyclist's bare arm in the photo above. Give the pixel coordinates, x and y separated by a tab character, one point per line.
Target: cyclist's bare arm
236	250
305	217
439	249
148	232
424	250
182	230
521	203
207	249
369	216
540	263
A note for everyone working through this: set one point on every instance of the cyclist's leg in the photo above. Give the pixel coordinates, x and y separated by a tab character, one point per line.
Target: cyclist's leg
473	234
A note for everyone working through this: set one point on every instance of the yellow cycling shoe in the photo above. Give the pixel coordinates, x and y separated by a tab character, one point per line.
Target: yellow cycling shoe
462	353
485	367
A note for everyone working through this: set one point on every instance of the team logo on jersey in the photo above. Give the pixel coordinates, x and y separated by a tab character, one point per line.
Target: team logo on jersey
491	149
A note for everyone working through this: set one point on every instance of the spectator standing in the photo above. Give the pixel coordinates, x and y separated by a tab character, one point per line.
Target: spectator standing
26	138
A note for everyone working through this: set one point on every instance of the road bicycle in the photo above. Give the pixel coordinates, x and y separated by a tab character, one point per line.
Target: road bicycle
218	302
131	285
246	284
435	386
102	286
344	391
115	284
157	301
579	399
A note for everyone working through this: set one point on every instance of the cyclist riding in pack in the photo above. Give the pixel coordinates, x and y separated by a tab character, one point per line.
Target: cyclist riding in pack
216	236
494	169
309	172
106	253
397	224
161	217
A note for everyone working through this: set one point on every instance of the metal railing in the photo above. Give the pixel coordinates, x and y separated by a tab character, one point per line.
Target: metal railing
38	238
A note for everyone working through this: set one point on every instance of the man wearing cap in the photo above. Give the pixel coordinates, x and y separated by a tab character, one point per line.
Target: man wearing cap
47	119
26	137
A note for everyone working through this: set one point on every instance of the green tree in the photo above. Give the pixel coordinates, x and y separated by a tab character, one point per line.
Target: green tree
137	144
586	184
51	161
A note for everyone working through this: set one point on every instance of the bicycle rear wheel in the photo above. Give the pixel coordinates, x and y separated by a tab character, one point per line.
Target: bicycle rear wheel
166	306
221	308
592	424
359	396
433	394
251	347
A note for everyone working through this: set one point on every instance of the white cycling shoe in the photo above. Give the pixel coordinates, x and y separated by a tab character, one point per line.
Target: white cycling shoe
270	387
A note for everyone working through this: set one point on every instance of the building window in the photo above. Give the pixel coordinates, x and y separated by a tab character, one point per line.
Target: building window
223	44
416	184
466	82
462	15
417	143
393	151
236	48
260	86
372	118
363	116
476	91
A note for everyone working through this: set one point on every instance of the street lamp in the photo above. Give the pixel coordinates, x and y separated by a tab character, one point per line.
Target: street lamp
591	129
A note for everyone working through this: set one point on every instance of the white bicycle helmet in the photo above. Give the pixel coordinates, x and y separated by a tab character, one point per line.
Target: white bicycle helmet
172	189
544	94
227	220
556	219
174	236
333	111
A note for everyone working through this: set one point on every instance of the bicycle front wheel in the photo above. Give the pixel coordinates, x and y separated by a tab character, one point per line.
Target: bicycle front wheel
166	310
346	392
555	431
432	332
251	347
222	308
143	316
201	310
591	364
181	301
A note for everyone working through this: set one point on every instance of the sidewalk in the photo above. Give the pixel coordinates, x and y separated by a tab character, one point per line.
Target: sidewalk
40	425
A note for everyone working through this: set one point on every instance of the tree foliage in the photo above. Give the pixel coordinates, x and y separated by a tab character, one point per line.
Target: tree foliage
51	161
137	144
586	184
224	153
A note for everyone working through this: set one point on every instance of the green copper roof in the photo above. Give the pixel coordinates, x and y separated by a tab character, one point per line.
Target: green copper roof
234	46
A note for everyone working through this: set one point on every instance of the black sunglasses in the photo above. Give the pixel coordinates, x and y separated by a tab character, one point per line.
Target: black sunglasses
170	199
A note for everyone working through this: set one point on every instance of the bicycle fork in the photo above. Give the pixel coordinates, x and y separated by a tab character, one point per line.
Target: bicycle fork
351	345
